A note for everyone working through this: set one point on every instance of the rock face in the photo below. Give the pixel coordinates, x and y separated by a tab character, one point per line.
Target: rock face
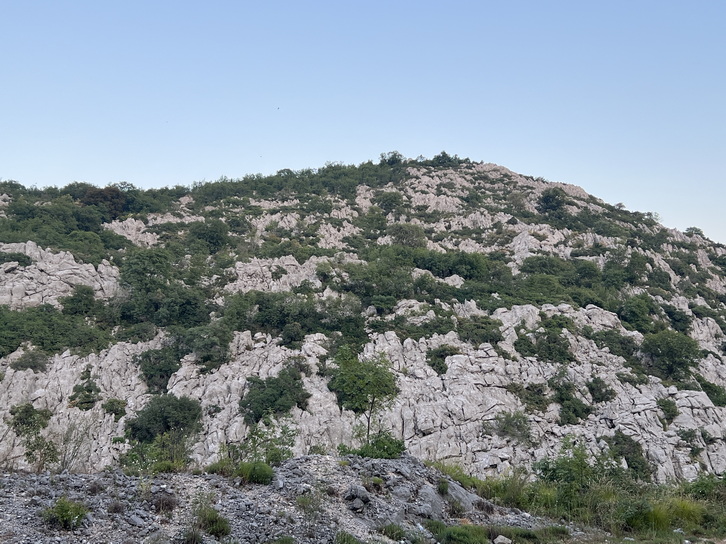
449	414
51	275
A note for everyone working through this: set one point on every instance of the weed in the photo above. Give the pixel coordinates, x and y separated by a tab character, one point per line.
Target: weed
65	514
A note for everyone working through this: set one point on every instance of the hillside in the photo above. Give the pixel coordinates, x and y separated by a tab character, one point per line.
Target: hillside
513	312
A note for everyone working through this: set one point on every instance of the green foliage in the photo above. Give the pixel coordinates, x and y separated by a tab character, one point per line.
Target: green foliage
34	360
341	537
116	407
599	390
672	354
616	343
158	365
623	446
572	409
85	394
276	395
389	201
269	440
393	531
533	396
27	423
207	519
514	425
49	330
637	313
60	223
436	357
65	514
363	386
167	452
680	320
163	414
715	392
255	472
547	343
295	316
479	330
382	445
21	258
669	409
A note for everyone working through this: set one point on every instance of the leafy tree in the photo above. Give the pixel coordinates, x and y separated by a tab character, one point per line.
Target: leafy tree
552	200
363	386
672	353
27	422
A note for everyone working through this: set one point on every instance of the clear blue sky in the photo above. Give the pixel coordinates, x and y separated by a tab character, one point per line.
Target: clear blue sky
624	98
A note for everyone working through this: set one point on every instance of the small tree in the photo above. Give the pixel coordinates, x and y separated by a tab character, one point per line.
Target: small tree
363	386
672	353
27	422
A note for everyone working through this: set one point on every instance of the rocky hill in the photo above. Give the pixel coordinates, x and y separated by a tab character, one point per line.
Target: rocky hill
512	312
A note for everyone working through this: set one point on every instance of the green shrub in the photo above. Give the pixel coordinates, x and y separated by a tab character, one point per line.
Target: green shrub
341	537
65	514
436	358
572	409
276	395
715	392
599	390
514	425
443	486
533	396
27	423
212	522
85	394
669	409
21	258
625	447
34	360
672	354
158	365
116	407
163	414
382	445
255	472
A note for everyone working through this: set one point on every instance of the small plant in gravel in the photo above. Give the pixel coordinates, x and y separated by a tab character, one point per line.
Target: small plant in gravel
165	503
393	531
342	537
116	507
65	514
256	472
206	519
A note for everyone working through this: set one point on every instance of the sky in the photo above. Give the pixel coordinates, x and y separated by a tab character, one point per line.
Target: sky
626	99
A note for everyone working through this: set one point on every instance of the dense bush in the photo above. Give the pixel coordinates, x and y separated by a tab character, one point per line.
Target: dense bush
164	414
599	390
381	445
254	472
436	357
672	354
49	330
275	395
65	514
34	360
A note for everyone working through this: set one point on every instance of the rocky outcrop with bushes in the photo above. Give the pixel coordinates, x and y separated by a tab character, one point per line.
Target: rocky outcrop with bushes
510	311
